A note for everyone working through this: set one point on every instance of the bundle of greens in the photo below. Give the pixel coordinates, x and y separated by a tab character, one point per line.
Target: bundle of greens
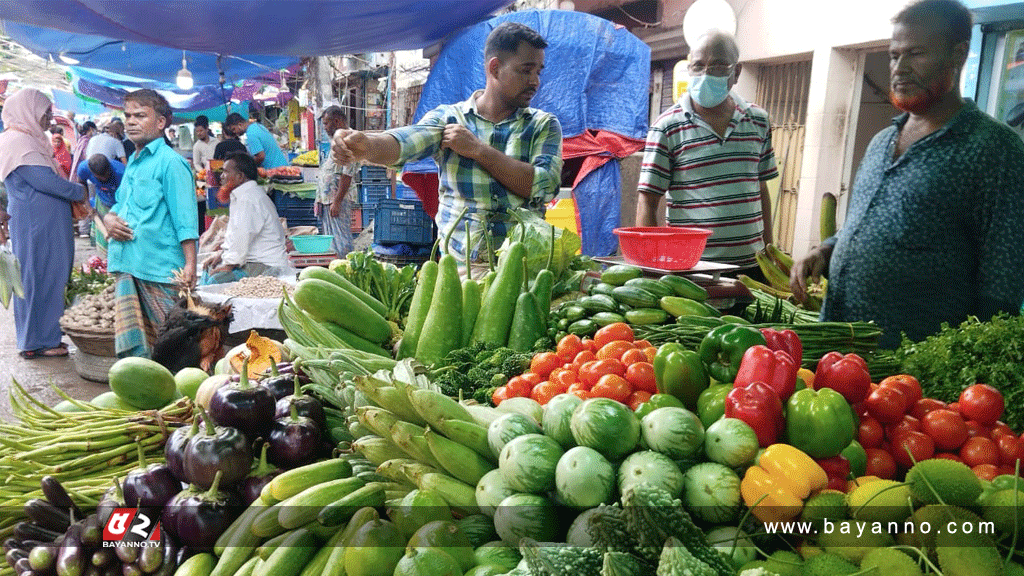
476	370
987	352
392	285
568	267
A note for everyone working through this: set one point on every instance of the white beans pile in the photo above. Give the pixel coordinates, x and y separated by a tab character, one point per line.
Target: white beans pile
93	312
258	287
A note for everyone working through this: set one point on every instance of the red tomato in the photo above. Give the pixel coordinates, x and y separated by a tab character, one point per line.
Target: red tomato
910	386
637	398
947	429
642	344
979	450
564	377
581	359
975	428
518	386
1009	449
880	464
1000	428
542	364
573	388
544	392
954	406
924	406
630	357
614	350
651	352
870	433
912	447
592	371
612	386
1007	470
948	456
907	424
981	402
641	377
861	409
581	394
589	344
612	332
985	471
499	395
887	405
532	377
568	347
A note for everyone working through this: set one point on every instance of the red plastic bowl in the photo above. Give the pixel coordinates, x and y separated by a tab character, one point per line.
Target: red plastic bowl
664	247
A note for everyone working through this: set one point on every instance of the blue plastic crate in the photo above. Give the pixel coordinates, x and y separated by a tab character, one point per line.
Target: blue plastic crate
405	221
367	216
403	192
297	211
373	173
370	194
211	199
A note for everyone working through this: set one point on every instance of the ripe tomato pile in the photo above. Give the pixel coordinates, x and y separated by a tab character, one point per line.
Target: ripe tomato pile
898	427
611	365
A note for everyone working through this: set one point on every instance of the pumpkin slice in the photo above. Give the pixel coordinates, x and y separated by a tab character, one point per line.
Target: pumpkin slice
262	354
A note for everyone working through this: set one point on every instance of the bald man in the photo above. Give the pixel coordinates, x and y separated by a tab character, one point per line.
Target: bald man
711	154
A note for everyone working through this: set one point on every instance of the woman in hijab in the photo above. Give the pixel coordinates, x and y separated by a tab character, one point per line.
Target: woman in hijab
40	206
61	154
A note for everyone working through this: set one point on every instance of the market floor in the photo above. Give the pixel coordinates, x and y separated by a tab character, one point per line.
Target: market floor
39	376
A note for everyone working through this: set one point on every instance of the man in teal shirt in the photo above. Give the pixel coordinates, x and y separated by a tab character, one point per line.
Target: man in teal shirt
152	228
258	140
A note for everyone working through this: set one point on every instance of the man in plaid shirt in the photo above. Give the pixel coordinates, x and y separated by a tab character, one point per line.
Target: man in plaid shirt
493	151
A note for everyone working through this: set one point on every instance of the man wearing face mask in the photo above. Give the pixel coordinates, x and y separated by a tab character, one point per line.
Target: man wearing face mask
935	225
711	155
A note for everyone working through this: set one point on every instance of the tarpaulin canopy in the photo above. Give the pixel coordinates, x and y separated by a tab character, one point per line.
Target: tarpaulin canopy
595	80
295	28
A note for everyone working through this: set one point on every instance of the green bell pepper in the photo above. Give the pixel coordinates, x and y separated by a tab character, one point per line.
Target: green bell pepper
657	401
711	403
858	458
681	373
722	349
819	422
1006	482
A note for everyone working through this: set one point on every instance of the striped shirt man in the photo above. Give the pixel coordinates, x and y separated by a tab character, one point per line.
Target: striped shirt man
712	181
529	135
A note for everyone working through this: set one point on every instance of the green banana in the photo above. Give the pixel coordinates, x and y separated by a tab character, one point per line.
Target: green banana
775	276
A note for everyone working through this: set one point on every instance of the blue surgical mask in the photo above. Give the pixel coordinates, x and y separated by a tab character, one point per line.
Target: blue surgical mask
709	91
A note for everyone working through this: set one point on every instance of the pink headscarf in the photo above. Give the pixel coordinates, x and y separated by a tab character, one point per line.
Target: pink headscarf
23	142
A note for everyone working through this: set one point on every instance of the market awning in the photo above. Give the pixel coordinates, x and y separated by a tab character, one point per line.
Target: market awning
293	28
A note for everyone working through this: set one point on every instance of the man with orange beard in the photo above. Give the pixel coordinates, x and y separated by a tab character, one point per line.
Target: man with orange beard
934	232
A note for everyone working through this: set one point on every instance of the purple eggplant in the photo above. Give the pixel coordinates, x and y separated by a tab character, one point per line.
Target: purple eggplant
113	498
217	449
244	406
149	485
307	406
169	516
294	441
280	383
174	449
204	516
251	486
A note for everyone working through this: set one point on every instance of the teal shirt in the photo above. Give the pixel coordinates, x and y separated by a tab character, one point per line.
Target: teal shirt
259	139
157	199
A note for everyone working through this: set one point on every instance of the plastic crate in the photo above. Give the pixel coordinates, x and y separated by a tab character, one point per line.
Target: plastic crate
297	211
211	199
357	219
403	192
370	194
367	216
373	173
402	221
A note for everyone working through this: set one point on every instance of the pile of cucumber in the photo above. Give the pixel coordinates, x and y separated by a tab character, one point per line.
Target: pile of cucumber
624	295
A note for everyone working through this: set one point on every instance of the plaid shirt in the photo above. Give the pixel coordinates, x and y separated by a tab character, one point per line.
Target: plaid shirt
529	135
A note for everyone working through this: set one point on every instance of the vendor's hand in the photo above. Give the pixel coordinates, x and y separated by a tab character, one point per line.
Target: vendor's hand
460	140
809	266
188	275
211	260
349	146
336	208
118	229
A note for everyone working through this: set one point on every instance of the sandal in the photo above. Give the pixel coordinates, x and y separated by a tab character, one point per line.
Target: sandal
60	351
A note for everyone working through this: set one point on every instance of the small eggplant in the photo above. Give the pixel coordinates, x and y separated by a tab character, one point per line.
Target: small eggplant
113	498
169	516
280	383
244	406
205	516
55	493
294	441
307	406
149	485
217	449
253	484
174	449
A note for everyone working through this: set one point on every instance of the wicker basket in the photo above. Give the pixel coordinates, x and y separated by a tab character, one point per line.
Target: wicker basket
92	342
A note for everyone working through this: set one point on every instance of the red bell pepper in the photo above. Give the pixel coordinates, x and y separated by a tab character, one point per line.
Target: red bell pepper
785	340
837	468
775	368
847	375
759	406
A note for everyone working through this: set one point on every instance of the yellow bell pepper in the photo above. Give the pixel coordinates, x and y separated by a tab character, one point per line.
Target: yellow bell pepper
787	476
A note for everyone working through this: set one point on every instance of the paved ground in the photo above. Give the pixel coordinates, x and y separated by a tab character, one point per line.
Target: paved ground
37	376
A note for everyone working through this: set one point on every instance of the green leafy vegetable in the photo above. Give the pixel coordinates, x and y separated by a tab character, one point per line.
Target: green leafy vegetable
537	239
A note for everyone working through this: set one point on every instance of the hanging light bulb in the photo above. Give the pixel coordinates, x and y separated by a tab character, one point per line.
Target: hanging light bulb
67	59
184	78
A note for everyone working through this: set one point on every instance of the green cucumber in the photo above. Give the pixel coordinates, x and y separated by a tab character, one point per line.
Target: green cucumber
646	316
605	318
304	506
585	327
291	556
730	319
602	288
684	287
291	482
636	297
653	286
678	306
341	511
618	274
574	313
598	303
199	565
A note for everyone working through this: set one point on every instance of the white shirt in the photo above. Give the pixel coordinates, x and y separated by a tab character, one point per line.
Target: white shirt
202	152
254	232
105	144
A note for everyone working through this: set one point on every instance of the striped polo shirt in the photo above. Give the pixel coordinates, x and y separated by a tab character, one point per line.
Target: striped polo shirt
712	182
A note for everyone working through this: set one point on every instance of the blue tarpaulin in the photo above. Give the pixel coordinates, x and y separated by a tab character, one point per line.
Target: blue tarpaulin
595	80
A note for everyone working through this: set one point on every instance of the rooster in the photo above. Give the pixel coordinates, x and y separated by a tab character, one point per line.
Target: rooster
193	334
